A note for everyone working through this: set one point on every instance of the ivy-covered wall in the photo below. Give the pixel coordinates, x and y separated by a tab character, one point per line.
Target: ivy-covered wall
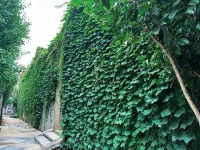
38	83
114	95
118	96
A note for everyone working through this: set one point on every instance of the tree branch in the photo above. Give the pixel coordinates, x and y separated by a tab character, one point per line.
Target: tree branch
178	75
196	74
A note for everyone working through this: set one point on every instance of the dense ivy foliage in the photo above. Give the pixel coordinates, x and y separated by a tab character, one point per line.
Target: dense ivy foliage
39	81
13	33
173	24
120	96
118	89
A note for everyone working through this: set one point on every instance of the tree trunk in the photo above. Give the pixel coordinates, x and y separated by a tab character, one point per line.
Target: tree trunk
180	80
1	107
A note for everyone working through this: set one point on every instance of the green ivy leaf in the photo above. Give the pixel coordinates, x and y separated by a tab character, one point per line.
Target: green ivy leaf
97	144
180	146
132	142
127	133
182	41
147	112
174	125
165	112
154	143
188	136
134	23
116	144
165	130
179	112
176	136
198	26
173	14
191	10
187	122
109	142
140	108
177	2
169	146
156	31
193	2
167	98
105	148
121	96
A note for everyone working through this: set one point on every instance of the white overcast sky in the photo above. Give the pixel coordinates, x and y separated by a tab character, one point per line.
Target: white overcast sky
45	23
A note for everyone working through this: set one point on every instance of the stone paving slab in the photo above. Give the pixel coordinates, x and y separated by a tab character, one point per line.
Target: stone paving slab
14	131
13	148
12	125
22	125
13	141
28	130
17	135
28	127
20	122
3	146
18	143
34	148
24	139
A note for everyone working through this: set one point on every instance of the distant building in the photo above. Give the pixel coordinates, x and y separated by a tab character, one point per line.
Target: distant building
8	110
18	77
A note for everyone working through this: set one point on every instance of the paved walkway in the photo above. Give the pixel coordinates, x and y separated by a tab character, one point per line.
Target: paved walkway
15	134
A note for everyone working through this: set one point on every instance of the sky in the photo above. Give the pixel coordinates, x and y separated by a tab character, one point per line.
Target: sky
45	23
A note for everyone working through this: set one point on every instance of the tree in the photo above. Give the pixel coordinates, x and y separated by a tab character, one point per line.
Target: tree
13	33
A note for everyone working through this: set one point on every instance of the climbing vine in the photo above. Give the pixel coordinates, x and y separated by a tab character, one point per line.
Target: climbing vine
118	89
38	84
120	95
172	25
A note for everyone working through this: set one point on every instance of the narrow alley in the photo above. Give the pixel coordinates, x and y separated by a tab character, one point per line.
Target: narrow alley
15	134
99	74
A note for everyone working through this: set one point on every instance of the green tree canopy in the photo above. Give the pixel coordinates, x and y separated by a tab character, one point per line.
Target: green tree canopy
13	33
